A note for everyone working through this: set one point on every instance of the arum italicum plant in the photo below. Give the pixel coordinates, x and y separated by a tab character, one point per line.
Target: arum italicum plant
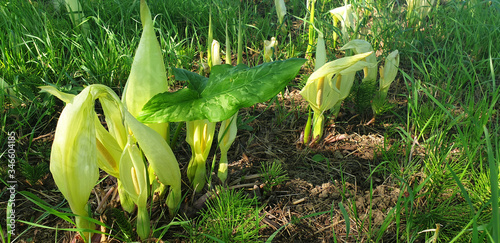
343	15
227	134
74	156
228	129
388	73
206	101
200	135
281	12
322	92
210	42
311	7
215	50
82	145
320	61
147	78
132	166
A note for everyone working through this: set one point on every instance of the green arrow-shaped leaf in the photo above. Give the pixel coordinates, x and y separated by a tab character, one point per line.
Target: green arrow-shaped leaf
226	91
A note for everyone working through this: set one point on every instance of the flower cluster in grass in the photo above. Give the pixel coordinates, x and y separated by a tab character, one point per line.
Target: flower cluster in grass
331	82
137	153
82	145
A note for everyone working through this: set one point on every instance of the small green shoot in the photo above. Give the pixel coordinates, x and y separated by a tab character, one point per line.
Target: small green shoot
33	173
273	175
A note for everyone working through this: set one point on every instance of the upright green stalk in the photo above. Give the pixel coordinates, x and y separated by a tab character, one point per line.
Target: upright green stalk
307	129
143	222
226	136
210	40
318	117
239	60
335	35
228	48
311	28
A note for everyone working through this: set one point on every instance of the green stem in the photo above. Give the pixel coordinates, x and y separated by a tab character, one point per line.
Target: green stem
228	48
318	122
222	172
210	39
307	129
335	36
143	224
83	223
174	198
199	178
239	59
311	28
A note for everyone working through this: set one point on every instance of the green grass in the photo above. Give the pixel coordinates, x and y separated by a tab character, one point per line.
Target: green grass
230	216
449	79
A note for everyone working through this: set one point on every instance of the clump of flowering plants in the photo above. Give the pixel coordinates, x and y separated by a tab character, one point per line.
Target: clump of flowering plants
215	99
331	83
133	148
82	146
126	149
206	101
327	86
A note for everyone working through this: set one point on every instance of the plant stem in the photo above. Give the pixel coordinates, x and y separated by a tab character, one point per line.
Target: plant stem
307	129
311	28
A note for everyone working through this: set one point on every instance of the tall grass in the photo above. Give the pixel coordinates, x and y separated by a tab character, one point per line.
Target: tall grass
452	95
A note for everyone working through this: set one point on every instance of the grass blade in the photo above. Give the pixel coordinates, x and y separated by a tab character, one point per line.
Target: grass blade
346	219
495	218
